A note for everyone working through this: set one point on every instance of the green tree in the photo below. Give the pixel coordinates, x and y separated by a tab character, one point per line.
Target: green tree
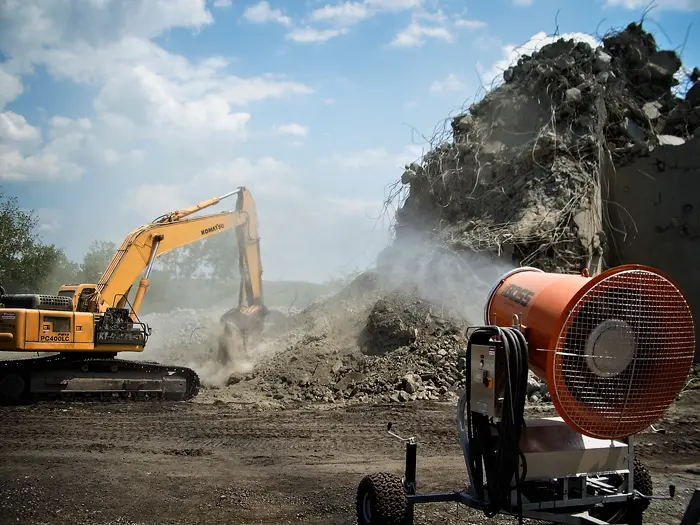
26	263
96	260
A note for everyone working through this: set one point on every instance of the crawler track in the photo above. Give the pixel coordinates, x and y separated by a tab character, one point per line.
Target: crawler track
67	377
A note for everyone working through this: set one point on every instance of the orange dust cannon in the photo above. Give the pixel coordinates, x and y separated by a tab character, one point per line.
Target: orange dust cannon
615	350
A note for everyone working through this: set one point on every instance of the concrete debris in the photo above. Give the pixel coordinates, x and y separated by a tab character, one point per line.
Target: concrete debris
564	117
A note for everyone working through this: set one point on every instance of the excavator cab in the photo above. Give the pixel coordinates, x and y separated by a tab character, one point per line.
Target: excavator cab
80	295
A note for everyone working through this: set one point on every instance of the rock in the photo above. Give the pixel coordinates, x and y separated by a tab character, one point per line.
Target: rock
462	363
533	384
667	62
508	74
634	131
410	383
573	96
337	367
404	397
670	140
602	61
652	110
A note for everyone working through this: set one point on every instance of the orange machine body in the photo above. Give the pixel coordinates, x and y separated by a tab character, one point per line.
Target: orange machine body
561	315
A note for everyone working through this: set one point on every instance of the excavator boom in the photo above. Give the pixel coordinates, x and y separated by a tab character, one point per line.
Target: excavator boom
87	325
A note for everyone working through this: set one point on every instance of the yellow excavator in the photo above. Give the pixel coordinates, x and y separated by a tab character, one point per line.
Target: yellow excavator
84	326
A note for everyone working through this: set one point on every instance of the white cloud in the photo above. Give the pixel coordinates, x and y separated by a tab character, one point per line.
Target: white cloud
415	35
30	25
470	24
14	128
511	53
678	5
222	3
10	88
328	101
449	84
58	158
307	35
344	14
431	25
143	93
522	2
262	13
292	129
373	158
393	5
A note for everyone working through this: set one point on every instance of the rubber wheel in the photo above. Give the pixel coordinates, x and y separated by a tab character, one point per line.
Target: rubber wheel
381	500
629	512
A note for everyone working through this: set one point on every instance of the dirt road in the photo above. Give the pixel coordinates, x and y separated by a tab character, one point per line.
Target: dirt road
197	463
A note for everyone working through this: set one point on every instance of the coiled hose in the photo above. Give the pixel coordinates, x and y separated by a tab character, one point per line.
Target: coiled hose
501	462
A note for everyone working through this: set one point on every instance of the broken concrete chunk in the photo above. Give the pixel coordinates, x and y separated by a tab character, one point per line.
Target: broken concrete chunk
602	61
573	96
670	140
652	110
634	131
564	62
508	74
667	61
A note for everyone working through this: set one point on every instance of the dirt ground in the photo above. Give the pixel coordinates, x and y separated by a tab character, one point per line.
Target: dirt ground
191	463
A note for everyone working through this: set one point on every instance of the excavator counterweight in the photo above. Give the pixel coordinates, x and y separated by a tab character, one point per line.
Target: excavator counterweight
85	326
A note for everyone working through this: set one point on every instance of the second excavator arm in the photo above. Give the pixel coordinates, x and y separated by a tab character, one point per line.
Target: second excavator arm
174	230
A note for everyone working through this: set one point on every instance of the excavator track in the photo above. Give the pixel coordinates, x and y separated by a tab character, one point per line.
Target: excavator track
67	378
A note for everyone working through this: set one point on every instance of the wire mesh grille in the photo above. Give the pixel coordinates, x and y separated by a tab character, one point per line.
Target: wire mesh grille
623	354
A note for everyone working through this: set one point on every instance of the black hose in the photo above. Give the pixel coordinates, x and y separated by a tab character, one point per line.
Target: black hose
502	461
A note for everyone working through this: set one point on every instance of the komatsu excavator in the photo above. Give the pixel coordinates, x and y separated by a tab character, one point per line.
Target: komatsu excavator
84	326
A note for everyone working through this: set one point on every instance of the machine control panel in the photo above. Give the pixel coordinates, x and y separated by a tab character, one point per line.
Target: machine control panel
485	380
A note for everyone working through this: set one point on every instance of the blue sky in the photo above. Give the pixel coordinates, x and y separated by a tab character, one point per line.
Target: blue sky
114	112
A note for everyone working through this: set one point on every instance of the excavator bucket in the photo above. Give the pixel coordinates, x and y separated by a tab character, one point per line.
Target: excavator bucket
242	327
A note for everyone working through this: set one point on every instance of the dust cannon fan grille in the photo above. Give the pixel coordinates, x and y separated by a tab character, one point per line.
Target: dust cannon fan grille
623	354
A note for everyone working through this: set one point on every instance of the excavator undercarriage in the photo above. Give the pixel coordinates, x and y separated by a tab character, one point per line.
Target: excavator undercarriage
74	377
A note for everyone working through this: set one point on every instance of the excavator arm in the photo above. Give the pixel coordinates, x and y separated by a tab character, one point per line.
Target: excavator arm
144	245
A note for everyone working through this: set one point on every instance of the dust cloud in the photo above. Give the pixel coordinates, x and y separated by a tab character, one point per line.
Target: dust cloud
457	281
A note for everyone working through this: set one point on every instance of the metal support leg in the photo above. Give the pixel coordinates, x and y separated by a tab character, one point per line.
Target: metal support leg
410	477
692	512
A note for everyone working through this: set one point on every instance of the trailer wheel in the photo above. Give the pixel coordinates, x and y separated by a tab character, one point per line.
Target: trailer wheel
381	500
629	512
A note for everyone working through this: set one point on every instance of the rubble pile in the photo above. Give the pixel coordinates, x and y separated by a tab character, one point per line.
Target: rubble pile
523	173
403	350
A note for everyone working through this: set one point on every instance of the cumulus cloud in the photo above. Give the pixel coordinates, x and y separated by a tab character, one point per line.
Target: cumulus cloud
449	84
345	13
262	13
10	87
678	5
379	159
292	129
426	25
307	35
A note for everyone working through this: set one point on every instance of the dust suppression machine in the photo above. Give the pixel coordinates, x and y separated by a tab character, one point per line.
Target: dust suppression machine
615	351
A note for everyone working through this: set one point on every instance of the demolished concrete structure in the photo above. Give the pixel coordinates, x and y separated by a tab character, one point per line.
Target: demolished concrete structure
533	172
